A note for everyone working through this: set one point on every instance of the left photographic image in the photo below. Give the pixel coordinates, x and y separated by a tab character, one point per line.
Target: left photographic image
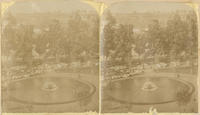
50	57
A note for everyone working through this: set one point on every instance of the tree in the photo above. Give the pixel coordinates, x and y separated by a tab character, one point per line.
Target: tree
124	40
155	40
192	47
109	34
94	37
9	39
77	36
118	40
142	46
177	34
82	36
24	41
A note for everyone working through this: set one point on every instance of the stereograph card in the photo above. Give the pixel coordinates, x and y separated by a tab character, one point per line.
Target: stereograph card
93	57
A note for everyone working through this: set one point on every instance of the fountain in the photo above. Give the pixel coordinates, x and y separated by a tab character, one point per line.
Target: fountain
49	86
145	89
149	86
46	89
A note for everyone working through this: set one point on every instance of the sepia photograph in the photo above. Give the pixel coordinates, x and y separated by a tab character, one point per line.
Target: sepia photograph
150	58
50	57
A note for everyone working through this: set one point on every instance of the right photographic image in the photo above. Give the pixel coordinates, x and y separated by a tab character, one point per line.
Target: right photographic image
150	58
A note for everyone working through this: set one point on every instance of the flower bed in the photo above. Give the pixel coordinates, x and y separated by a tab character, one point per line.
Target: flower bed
121	72
20	72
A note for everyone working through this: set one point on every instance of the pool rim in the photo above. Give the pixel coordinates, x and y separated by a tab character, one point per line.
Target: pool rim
91	87
188	84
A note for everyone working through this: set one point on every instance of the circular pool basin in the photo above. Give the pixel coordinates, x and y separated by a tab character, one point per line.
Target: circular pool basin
50	89
145	89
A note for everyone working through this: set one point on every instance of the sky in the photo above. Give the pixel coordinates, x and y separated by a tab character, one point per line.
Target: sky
72	5
49	6
148	7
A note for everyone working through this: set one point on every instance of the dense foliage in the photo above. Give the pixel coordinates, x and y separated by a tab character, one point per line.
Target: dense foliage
175	40
74	41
